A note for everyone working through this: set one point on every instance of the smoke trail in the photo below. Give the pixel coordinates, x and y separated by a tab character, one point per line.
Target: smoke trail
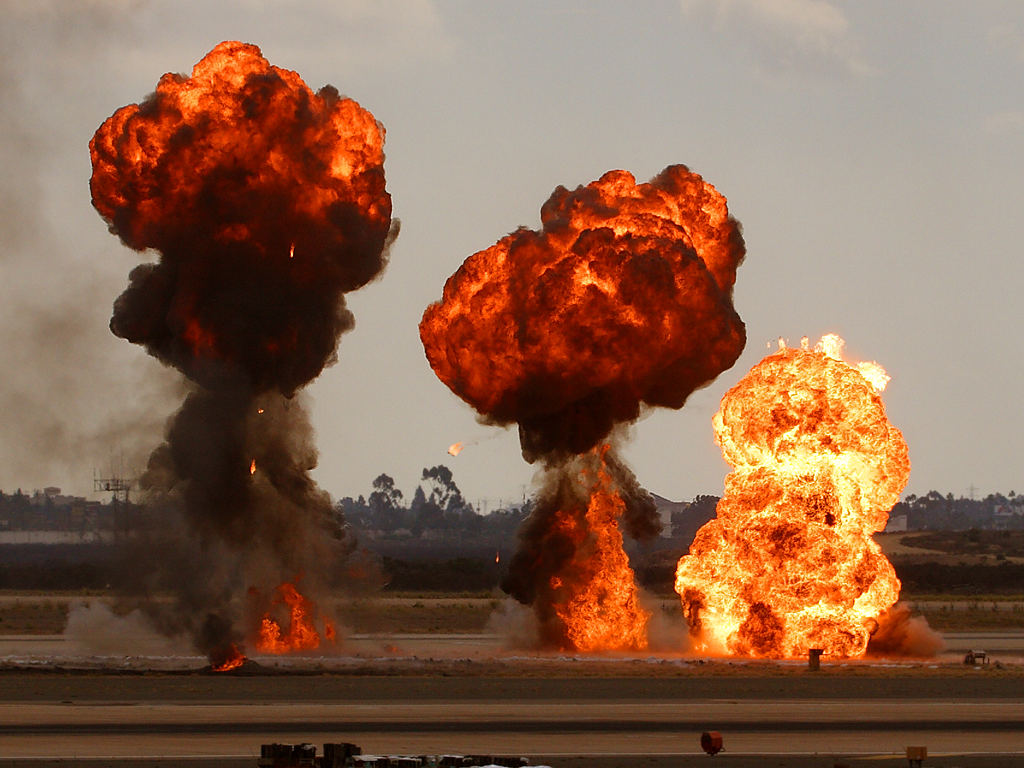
266	203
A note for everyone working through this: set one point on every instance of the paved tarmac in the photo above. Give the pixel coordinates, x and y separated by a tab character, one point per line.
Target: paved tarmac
770	715
767	730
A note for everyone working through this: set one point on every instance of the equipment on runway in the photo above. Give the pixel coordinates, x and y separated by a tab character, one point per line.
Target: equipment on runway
711	742
304	755
346	755
976	658
916	756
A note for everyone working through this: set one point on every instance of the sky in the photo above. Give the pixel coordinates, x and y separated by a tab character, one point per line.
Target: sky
873	152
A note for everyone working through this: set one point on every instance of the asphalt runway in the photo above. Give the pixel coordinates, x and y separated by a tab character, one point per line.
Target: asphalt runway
777	715
797	729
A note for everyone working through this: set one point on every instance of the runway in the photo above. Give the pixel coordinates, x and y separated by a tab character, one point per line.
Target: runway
95	730
564	711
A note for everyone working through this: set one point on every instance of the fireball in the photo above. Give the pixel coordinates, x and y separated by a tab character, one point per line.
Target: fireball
621	301
789	563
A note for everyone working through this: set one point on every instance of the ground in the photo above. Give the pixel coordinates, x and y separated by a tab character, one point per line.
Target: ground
444	683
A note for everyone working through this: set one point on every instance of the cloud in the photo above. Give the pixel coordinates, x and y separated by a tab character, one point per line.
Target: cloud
786	36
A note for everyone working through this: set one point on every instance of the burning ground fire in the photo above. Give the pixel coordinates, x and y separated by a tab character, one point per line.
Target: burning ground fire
621	302
789	563
301	633
249	186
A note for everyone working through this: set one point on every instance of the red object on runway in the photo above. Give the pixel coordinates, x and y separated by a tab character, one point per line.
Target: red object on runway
711	742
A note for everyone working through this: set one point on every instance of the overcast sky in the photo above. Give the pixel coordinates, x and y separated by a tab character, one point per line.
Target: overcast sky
873	151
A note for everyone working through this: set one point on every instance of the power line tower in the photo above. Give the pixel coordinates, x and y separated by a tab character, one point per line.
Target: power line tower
116	484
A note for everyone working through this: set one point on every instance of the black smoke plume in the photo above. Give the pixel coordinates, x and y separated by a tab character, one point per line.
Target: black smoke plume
265	203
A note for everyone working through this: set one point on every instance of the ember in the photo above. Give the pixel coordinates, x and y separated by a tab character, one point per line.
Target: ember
789	564
622	301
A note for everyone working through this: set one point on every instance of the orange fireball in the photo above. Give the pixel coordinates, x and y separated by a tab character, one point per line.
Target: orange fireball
789	563
621	301
228	173
623	298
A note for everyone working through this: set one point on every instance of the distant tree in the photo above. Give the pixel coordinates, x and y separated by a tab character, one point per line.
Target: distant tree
503	523
424	513
443	491
354	511
385	503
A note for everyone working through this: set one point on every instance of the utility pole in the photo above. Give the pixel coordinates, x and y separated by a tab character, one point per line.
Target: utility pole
118	485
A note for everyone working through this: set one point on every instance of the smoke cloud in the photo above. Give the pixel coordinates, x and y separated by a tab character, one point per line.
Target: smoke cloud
266	203
900	633
71	397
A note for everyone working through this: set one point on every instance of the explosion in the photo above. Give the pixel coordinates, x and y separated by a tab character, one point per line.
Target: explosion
266	203
622	301
789	563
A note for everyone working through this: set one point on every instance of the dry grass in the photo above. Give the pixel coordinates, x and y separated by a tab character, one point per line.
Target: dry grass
974	616
441	614
416	615
29	616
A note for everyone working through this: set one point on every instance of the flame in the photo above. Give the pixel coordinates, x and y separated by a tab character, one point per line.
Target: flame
217	171
621	300
202	342
252	467
623	297
790	563
231	658
455	449
301	634
594	595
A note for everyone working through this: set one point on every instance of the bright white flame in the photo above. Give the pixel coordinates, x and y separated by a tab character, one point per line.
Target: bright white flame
831	345
875	374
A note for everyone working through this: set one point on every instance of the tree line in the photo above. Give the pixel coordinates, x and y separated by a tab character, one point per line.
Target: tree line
437	509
